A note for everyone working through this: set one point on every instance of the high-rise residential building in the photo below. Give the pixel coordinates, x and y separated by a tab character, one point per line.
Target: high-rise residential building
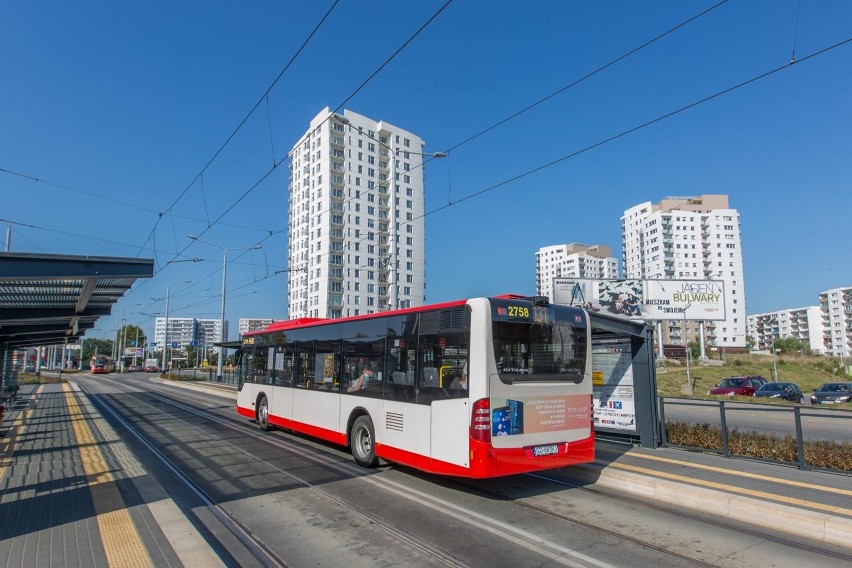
836	306
209	331
804	324
690	238
572	260
356	230
254	324
185	331
182	331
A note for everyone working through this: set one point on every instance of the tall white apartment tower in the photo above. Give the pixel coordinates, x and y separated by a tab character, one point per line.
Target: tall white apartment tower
356	224
690	238
572	260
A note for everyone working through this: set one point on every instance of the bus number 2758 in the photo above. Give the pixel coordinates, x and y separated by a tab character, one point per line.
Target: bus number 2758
518	312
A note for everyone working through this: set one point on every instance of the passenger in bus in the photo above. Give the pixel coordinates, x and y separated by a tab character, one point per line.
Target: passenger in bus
460	382
367	376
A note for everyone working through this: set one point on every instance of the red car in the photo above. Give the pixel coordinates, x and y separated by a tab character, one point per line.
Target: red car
738	386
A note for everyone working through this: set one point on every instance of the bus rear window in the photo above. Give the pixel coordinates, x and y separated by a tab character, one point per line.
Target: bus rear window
532	352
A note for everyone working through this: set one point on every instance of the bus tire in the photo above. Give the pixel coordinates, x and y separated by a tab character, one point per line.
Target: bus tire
263	414
362	442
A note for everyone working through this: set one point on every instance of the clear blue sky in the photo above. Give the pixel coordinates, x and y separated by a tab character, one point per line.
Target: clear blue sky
130	101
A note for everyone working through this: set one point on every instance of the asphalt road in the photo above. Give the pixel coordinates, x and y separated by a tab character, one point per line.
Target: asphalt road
818	423
309	505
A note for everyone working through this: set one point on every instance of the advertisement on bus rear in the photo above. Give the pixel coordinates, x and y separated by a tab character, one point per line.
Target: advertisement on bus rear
533	415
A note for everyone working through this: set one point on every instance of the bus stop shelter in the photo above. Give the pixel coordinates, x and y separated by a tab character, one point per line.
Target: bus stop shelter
624	381
51	299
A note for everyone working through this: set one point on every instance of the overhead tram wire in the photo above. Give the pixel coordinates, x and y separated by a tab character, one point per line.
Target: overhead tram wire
276	165
646	124
249	114
628	131
119	202
576	82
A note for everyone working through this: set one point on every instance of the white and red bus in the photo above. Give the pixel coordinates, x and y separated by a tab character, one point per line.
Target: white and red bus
100	364
390	385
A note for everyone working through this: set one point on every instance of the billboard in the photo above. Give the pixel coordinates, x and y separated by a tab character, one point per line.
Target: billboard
696	300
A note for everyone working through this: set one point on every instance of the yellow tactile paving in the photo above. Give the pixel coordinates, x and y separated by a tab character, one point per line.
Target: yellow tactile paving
726	471
733	489
122	543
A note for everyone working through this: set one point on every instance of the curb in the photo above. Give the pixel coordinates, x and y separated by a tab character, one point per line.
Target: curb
815	525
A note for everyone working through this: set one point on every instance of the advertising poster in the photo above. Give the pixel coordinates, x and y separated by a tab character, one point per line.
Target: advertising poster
694	300
612	389
532	415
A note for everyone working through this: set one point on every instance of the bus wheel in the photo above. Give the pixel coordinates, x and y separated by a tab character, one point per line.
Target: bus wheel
263	414
362	442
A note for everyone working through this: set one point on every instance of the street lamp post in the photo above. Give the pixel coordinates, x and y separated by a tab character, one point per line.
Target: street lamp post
687	388
222	338
393	292
775	362
166	331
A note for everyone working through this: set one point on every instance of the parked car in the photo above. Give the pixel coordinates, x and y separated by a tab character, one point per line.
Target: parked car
786	391
134	368
832	393
738	386
151	369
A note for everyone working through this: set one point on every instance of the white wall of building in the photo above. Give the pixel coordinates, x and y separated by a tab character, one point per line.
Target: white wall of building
686	238
572	260
805	324
836	308
254	324
345	214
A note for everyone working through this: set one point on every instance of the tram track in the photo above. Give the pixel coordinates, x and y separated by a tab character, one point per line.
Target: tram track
551	550
260	550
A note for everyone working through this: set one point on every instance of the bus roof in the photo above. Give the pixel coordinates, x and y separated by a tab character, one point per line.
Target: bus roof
304	322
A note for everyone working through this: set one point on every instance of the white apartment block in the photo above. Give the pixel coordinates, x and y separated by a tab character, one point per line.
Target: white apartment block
209	331
181	331
572	260
356	227
805	324
836	306
248	325
690	238
184	331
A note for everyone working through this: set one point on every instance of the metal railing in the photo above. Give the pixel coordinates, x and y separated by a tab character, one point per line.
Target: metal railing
725	407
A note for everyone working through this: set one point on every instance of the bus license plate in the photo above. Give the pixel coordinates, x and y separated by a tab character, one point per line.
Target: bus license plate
547	450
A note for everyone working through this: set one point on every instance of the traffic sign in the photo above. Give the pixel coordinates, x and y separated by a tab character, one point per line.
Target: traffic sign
174	344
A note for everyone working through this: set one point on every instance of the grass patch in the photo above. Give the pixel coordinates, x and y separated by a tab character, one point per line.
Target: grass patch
824	454
181	377
33	379
807	372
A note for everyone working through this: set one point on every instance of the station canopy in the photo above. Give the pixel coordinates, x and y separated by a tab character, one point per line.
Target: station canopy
46	299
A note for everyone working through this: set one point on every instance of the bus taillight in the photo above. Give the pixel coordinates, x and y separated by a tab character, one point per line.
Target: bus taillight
480	421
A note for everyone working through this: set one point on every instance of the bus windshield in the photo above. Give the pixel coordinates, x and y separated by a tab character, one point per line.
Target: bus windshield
539	352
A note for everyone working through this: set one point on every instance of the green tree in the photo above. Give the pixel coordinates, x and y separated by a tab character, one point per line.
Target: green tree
694	350
94	345
791	346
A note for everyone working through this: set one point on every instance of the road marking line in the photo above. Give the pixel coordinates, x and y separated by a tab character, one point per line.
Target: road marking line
122	543
745	474
733	489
